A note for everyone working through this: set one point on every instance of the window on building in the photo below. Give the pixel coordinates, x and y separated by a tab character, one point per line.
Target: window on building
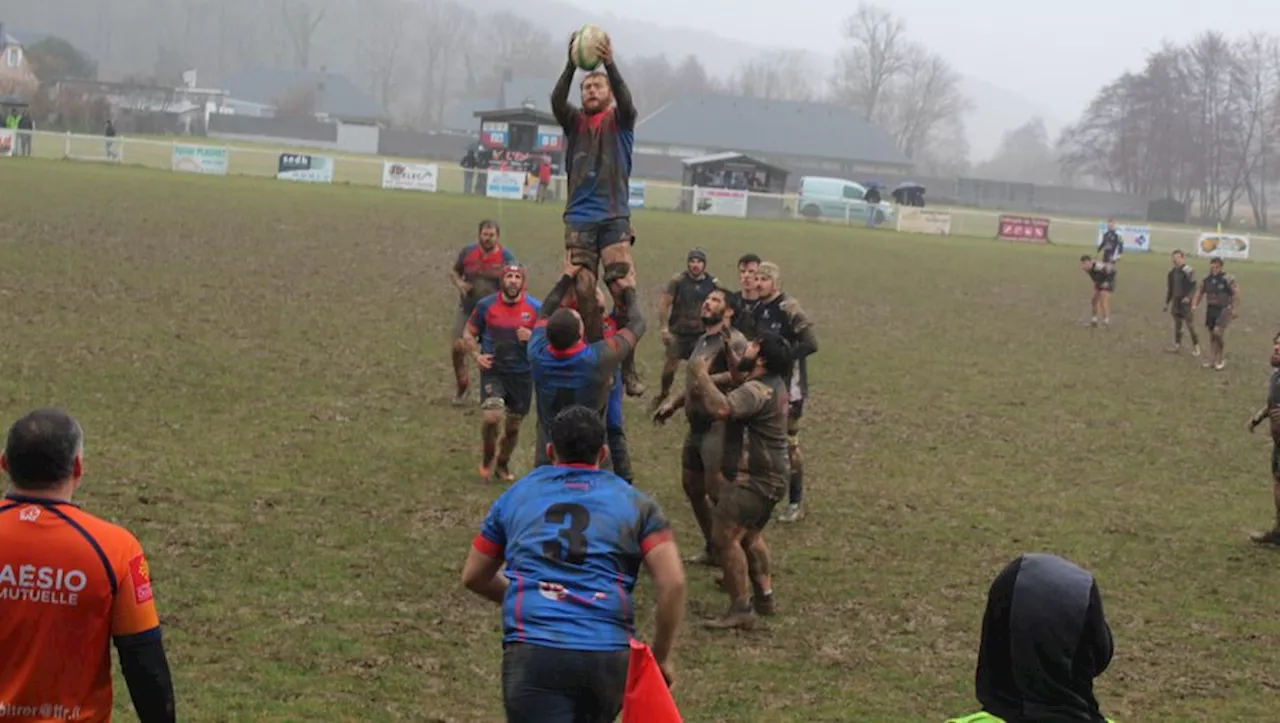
13	56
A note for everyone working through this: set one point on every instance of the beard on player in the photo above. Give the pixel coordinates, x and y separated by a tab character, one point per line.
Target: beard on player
512	283
596	94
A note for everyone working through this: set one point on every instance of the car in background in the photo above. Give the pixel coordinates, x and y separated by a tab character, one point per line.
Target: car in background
838	199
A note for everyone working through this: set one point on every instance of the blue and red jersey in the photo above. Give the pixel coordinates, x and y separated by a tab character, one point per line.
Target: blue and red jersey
495	321
573	539
483	270
598	166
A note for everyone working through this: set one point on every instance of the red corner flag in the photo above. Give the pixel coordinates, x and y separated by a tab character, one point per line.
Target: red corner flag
648	699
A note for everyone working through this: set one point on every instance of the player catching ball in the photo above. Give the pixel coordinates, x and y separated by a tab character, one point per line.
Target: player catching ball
597	213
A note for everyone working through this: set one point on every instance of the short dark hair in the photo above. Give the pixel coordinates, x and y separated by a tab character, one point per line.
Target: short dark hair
487	223
1086	257
563	329
745	259
775	352
1177	252
1216	260
41	449
732	301
577	435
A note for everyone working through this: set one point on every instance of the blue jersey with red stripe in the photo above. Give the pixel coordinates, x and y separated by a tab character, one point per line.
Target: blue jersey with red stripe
494	322
573	538
574	376
598	166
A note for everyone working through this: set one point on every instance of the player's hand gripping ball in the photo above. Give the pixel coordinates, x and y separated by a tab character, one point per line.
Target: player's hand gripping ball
584	47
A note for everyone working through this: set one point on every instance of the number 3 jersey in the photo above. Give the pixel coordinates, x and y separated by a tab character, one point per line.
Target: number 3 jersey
573	539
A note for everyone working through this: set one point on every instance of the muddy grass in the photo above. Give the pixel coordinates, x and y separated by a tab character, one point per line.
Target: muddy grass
261	371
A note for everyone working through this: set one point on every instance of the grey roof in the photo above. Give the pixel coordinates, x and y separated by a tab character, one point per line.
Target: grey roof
340	97
461	115
22	38
772	127
729	156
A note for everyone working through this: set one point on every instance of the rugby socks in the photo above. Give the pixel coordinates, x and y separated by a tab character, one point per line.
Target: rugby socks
489	433
796	493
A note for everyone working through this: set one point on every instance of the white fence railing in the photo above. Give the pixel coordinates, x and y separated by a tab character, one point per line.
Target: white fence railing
210	156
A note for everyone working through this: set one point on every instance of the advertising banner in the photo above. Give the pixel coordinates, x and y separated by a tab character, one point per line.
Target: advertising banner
1225	245
508	185
1023	228
635	198
200	159
1134	238
305	169
720	202
411	176
918	220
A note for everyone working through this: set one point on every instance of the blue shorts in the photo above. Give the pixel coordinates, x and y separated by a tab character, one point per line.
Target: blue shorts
613	414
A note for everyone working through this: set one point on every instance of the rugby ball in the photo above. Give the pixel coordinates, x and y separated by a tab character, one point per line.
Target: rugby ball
585	47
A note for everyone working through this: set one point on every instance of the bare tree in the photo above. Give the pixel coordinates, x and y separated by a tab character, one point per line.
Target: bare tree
302	19
384	42
877	53
1025	155
446	29
924	95
775	75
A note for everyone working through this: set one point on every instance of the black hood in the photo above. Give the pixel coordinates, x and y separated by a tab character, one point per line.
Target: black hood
1044	639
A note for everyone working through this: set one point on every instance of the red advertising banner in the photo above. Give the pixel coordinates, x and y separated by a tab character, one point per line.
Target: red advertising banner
1023	228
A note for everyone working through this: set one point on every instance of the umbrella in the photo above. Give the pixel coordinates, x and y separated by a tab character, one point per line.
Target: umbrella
12	100
873	184
908	184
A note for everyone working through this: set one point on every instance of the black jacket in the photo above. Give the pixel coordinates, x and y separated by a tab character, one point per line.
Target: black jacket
1044	639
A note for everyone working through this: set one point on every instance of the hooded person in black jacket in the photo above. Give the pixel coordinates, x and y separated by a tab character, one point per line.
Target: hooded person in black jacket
1044	639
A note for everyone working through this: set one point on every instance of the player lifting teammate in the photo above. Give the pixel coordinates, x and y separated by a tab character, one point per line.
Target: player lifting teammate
566	369
476	274
1223	297
1177	301
1104	282
1271	412
720	348
680	313
782	315
597	214
743	510
499	328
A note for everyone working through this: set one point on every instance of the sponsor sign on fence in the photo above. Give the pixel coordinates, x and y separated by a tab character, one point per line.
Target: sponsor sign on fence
1225	245
200	159
1134	238
305	168
918	220
635	197
7	141
507	185
1023	228
720	202
411	176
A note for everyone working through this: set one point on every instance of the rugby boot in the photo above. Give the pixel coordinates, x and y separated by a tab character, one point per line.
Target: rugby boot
739	616
793	513
1271	538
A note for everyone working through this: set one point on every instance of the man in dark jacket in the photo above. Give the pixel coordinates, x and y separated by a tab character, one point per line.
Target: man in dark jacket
1044	639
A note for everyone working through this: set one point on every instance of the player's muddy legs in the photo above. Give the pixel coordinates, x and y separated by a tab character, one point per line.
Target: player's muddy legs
696	491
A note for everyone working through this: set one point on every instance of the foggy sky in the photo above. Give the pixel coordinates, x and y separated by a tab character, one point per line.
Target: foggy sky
1057	54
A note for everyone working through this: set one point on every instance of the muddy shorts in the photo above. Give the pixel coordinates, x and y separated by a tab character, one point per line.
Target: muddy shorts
512	393
585	241
745	503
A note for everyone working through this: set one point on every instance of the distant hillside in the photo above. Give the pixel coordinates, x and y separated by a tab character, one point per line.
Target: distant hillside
996	109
